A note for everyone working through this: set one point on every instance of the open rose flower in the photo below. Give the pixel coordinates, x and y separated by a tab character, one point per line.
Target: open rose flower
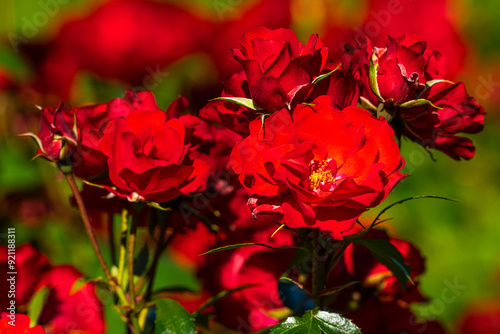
22	324
321	170
418	101
278	73
147	158
91	120
437	128
66	309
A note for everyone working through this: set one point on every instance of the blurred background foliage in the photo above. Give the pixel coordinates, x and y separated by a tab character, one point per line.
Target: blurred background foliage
459	240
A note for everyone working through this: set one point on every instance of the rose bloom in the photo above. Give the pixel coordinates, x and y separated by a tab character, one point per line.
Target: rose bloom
278	72
406	73
375	317
251	308
376	280
22	325
147	158
65	308
437	128
321	170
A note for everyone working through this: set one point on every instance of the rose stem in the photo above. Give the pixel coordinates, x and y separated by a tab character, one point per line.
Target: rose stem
86	222
123	244
316	269
130	260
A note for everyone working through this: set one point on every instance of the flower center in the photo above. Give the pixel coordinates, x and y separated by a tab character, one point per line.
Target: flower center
321	176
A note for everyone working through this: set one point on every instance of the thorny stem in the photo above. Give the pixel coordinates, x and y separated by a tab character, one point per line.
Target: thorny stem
88	226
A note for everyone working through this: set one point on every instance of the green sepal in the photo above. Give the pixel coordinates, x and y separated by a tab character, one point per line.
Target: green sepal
241	101
326	75
418	102
373	76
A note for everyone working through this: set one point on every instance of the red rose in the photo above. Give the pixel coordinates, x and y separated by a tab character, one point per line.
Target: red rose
480	317
278	73
248	310
279	69
321	170
92	120
361	266
57	140
400	75
28	262
22	325
436	129
147	158
64	309
375	317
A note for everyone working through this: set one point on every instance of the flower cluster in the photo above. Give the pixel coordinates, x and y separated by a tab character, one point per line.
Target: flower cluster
270	179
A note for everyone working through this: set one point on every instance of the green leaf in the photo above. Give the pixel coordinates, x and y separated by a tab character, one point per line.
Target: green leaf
373	76
326	75
389	256
316	322
36	305
409	199
224	248
366	104
241	101
335	289
418	102
219	296
172	318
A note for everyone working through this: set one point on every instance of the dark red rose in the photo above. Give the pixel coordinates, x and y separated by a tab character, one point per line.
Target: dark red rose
400	69
278	68
57	139
147	158
278	73
480	317
28	262
235	18
92	120
437	128
248	310
70	309
321	170
342	85
65	309
375	317
21	325
399	17
362	266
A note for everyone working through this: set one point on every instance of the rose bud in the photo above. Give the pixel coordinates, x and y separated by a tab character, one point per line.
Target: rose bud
57	139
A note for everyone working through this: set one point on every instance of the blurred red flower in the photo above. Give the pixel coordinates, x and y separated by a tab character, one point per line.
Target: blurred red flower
22	325
66	308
